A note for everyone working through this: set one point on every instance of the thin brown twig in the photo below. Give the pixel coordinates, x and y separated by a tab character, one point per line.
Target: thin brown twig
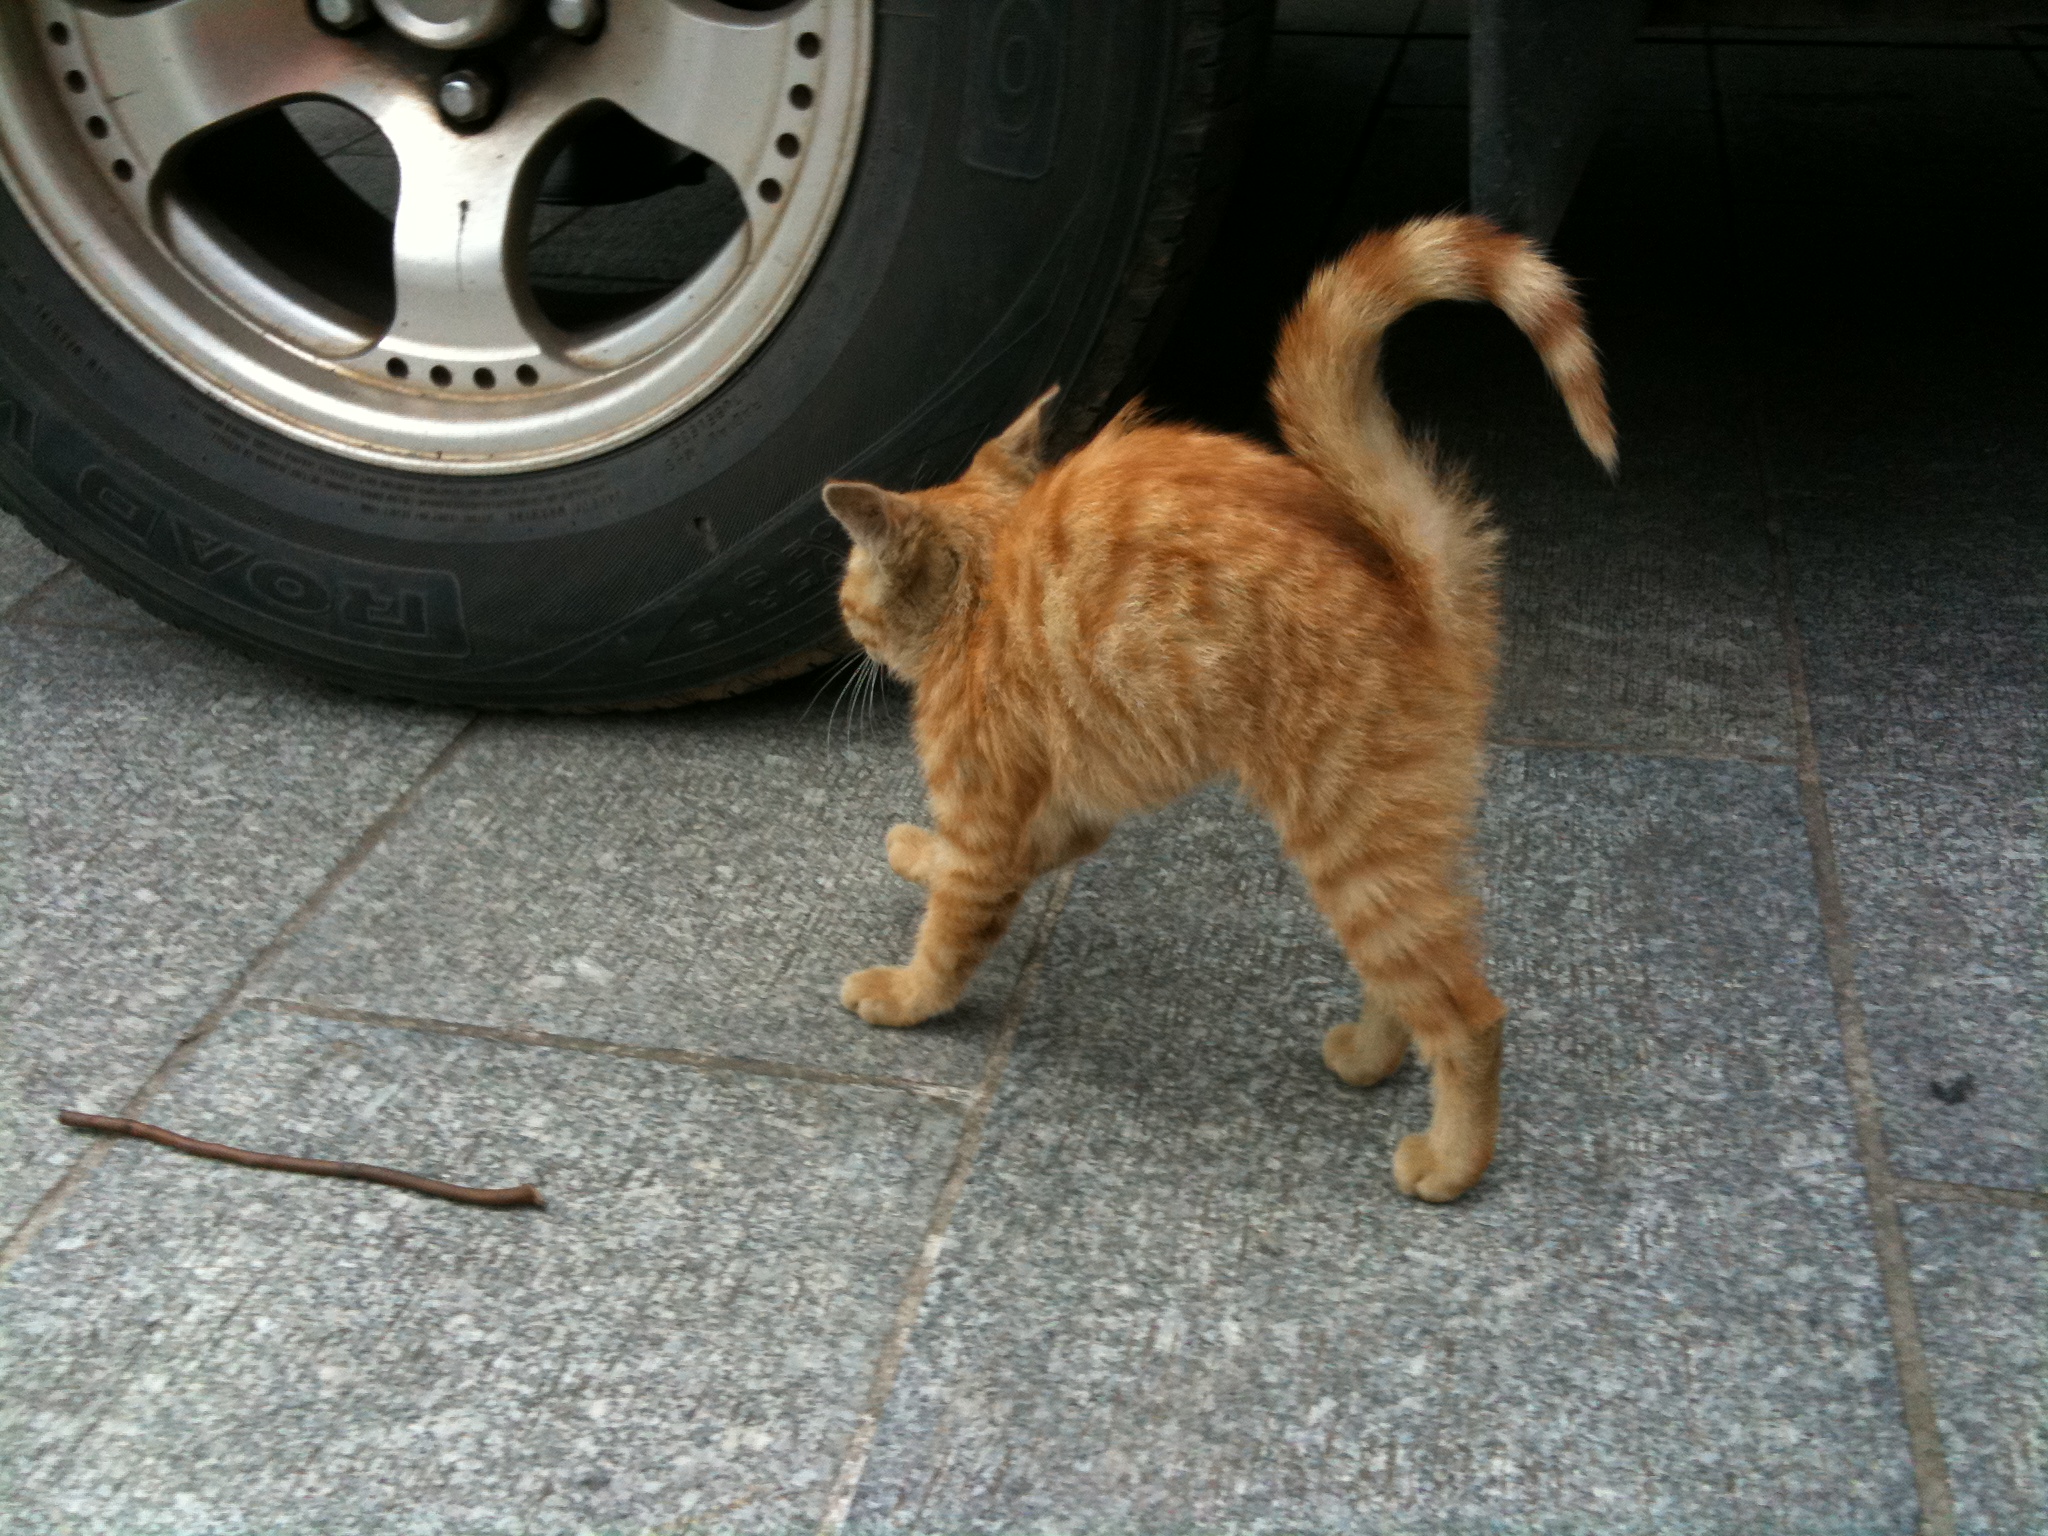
523	1194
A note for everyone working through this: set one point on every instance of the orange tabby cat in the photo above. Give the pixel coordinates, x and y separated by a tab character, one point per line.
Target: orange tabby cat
1098	636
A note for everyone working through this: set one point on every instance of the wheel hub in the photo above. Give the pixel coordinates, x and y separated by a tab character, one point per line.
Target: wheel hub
440	348
450	24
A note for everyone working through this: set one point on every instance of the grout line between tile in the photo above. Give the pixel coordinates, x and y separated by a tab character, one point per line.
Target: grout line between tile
22	606
1936	1494
1543	744
853	1465
703	1061
365	844
1941	1192
1916	1384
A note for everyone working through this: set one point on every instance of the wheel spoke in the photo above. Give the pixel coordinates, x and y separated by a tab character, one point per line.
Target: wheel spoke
170	72
703	74
458	244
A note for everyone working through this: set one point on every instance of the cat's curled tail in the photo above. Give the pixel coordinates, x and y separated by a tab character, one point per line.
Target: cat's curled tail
1336	418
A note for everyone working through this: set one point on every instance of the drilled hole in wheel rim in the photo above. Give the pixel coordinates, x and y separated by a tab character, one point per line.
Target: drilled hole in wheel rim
287	306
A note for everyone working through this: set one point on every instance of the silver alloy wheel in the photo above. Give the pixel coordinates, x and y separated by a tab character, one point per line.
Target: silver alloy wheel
99	97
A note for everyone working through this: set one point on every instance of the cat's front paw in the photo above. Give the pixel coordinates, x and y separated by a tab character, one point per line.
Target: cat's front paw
1421	1172
910	852
890	995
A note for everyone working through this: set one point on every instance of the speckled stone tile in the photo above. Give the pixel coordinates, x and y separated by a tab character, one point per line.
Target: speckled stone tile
1906	461
76	601
680	1341
1641	614
25	561
1920	572
1981	1276
701	879
1944	882
167	806
1181	1292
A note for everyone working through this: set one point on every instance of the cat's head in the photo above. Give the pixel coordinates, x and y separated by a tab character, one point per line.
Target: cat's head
914	552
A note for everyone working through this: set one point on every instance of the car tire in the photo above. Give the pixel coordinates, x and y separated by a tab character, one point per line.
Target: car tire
987	245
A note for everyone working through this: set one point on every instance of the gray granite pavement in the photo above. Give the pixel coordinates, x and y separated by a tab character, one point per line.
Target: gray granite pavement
681	1339
1181	1293
693	880
1108	1251
1982	1272
169	806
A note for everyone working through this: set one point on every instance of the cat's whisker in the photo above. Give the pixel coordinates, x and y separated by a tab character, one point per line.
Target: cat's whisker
831	675
870	679
842	674
879	706
846	688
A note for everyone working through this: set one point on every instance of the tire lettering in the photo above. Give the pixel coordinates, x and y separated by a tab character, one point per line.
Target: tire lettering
393	613
20	428
384	606
116	506
279	583
1010	124
205	553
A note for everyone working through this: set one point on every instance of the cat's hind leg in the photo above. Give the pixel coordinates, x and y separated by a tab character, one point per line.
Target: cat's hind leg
1456	1021
1408	932
1059	838
1370	1050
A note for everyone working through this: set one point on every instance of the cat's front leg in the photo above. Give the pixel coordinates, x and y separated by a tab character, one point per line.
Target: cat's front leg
1054	840
973	896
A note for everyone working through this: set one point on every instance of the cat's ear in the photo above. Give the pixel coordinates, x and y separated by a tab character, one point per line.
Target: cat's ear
1024	438
1018	454
867	512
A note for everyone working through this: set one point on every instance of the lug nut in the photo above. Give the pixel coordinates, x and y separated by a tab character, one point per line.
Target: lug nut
342	15
465	97
579	18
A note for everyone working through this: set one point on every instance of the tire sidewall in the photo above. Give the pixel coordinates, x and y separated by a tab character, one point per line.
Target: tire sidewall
982	240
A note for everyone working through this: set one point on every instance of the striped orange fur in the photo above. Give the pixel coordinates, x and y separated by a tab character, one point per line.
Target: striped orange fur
1095	637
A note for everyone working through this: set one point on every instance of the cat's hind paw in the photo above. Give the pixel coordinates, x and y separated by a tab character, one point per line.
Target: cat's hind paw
1365	1053
910	852
889	995
1420	1172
